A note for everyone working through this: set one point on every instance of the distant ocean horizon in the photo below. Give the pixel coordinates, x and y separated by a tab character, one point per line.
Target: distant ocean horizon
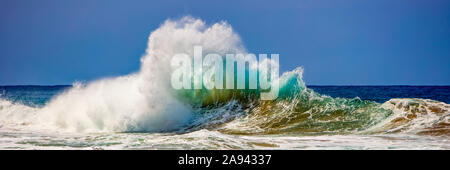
377	93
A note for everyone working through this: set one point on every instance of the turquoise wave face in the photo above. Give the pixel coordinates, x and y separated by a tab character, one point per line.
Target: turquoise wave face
289	84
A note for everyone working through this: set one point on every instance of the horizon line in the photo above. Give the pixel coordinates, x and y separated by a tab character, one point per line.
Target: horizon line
43	85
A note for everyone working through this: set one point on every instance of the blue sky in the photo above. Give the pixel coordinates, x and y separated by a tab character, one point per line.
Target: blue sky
348	42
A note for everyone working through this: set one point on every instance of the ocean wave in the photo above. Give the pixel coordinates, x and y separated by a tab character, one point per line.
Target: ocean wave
145	102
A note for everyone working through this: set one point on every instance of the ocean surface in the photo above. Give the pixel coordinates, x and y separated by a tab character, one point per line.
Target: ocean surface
216	136
39	95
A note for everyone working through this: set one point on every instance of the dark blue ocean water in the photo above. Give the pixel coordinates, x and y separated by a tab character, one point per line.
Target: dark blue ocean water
382	94
31	95
39	95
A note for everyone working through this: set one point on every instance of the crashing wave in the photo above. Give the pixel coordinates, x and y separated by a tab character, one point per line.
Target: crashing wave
422	116
145	102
